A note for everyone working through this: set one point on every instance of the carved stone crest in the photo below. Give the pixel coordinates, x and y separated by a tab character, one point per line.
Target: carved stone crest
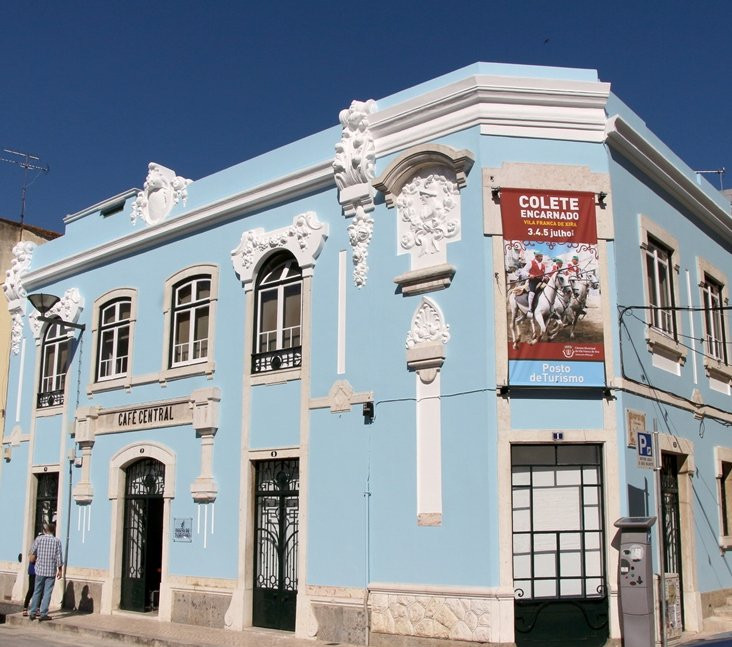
162	190
429	212
15	293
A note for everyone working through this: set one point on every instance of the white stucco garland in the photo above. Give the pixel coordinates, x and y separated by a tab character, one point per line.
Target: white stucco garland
304	239
353	169
15	293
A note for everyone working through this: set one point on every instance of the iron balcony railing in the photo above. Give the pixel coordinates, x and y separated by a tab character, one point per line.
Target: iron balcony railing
50	399
277	360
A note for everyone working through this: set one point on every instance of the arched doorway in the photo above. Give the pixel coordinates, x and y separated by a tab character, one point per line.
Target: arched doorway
142	546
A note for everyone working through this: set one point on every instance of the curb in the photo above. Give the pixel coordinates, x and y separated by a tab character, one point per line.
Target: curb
105	634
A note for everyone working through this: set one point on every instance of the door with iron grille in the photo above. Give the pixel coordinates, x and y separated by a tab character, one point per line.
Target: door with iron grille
143	535
672	525
46	500
558	545
275	544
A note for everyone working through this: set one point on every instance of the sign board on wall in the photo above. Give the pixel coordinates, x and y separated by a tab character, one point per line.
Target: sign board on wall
550	237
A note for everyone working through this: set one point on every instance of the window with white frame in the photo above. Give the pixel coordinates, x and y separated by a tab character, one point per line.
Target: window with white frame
190	321
723	467
54	364
659	275
114	339
714	332
278	299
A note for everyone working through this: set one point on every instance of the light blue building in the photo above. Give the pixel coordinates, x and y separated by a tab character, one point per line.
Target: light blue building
323	390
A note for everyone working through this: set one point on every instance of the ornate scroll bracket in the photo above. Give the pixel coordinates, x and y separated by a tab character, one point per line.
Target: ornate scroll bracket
353	168
162	190
15	293
426	341
68	309
304	239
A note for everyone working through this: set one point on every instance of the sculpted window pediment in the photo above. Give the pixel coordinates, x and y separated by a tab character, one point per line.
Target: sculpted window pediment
407	165
304	239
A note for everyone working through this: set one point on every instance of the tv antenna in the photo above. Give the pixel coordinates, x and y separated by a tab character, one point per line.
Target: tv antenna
720	172
26	161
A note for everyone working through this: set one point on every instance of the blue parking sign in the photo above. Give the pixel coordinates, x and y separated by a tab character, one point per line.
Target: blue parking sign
645	449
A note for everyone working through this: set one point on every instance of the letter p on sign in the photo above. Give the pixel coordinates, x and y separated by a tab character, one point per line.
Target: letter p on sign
645	449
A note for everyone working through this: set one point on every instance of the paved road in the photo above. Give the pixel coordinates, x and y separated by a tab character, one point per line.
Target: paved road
725	641
33	635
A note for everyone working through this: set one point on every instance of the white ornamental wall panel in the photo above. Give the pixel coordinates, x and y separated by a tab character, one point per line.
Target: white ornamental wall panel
428	216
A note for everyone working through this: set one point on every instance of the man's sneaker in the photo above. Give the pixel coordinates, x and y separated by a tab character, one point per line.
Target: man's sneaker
44	618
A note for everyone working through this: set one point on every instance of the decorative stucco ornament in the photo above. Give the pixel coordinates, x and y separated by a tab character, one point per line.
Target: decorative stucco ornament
359	233
429	212
428	325
68	309
162	189
304	239
15	293
355	152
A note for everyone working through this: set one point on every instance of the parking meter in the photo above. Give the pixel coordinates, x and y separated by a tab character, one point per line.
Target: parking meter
635	582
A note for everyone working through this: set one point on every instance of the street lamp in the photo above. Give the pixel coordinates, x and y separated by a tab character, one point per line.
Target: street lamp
43	303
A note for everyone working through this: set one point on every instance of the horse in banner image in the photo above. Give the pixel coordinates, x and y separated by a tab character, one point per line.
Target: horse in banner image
518	307
569	304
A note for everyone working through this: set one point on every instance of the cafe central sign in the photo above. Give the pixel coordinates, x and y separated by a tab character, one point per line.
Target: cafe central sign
147	416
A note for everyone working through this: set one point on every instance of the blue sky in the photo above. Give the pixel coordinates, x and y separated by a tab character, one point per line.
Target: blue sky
99	89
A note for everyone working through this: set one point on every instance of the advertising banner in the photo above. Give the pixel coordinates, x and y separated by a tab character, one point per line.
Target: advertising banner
555	324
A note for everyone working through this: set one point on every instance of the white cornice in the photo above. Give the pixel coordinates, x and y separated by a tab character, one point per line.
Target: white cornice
499	105
633	146
100	206
315	177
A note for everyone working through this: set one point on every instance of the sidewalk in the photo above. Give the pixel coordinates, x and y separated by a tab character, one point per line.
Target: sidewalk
135	629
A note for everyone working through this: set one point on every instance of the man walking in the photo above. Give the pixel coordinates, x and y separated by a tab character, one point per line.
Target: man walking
49	565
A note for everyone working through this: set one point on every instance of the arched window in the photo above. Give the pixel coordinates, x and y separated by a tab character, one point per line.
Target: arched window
190	321
278	299
114	339
54	364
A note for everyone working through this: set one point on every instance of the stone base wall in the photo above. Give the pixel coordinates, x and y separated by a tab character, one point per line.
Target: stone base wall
483	617
204	608
713	599
341	624
82	595
7	582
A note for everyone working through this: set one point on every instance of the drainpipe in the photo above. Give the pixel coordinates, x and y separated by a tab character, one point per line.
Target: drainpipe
72	457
